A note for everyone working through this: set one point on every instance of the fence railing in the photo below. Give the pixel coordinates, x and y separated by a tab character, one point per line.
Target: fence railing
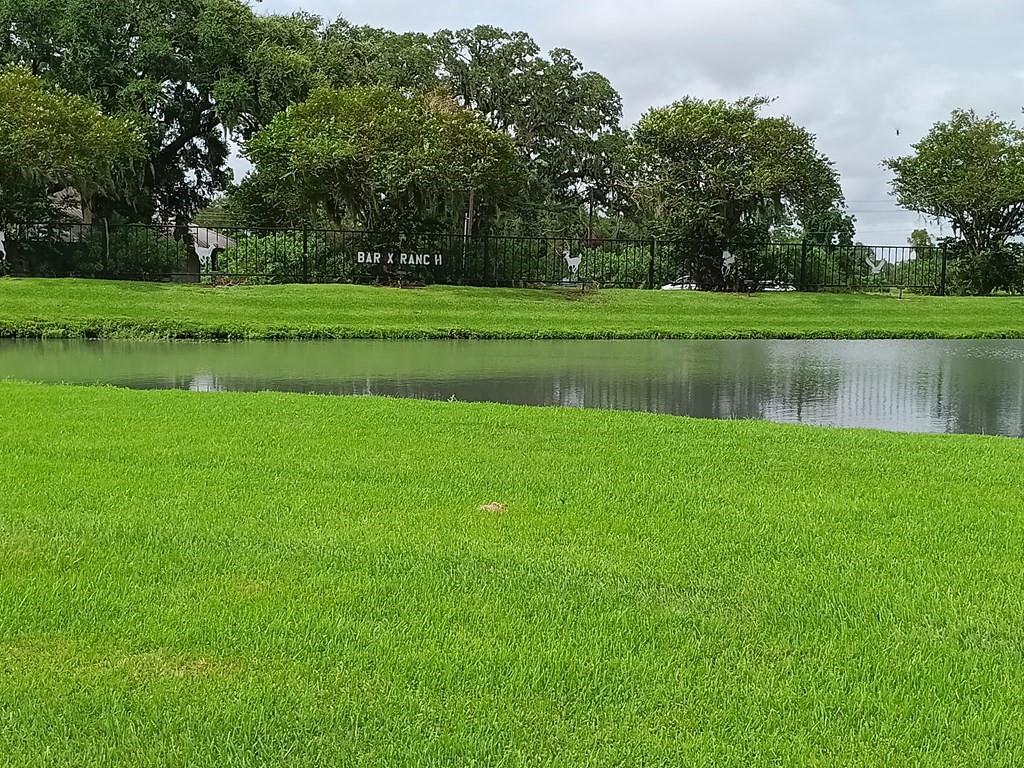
266	255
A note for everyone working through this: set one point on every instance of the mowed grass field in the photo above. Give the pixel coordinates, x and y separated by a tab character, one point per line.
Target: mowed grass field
113	309
270	579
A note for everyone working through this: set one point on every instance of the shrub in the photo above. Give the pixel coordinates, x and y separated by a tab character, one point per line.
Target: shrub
985	273
289	257
89	251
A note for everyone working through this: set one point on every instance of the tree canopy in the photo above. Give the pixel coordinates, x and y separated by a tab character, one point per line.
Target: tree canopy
921	239
721	175
188	72
54	143
197	74
376	158
969	170
559	115
370	127
562	119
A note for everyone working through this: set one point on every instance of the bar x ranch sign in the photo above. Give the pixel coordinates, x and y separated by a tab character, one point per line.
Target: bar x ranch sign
379	259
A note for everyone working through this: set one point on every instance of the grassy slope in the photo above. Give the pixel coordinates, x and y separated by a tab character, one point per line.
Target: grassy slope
72	307
286	580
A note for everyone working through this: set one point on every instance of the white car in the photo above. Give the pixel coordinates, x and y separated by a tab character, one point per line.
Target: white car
682	284
777	287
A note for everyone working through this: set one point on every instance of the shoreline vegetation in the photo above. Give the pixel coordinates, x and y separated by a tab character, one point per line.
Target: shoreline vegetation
269	578
69	308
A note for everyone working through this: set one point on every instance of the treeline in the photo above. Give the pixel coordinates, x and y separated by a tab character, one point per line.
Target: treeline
127	111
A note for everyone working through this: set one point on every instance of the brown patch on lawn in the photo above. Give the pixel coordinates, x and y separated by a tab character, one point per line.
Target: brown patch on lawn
246	588
57	651
166	665
495	507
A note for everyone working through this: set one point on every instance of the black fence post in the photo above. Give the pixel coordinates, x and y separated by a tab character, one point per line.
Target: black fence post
803	266
650	264
305	253
106	248
942	277
487	259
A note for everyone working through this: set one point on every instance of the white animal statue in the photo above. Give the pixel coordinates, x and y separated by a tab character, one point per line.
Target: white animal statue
875	267
573	262
208	243
205	253
728	262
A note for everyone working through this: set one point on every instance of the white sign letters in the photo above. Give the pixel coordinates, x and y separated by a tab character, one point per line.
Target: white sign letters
379	259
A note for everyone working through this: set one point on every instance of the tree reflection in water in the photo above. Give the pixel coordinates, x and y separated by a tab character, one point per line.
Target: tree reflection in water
919	386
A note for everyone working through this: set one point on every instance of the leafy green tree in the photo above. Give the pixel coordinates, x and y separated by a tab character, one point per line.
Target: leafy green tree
52	142
921	239
376	158
360	55
969	171
717	176
563	119
191	73
831	226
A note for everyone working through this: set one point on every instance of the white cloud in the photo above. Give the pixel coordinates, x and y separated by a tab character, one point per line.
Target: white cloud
658	50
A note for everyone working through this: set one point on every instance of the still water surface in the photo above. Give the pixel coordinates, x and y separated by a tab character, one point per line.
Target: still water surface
913	386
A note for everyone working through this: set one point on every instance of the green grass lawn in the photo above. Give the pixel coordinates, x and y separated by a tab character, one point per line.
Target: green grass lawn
270	579
95	308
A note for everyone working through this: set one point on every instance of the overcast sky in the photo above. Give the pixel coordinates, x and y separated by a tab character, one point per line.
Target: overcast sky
854	71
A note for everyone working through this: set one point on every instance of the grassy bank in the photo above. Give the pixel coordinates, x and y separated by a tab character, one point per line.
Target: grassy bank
139	310
285	580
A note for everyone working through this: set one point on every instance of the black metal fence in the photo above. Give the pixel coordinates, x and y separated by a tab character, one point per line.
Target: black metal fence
254	255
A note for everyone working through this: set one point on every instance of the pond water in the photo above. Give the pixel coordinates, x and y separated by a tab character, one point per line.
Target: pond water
914	386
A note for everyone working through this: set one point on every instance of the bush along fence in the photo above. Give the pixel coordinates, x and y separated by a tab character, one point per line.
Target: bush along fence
253	256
